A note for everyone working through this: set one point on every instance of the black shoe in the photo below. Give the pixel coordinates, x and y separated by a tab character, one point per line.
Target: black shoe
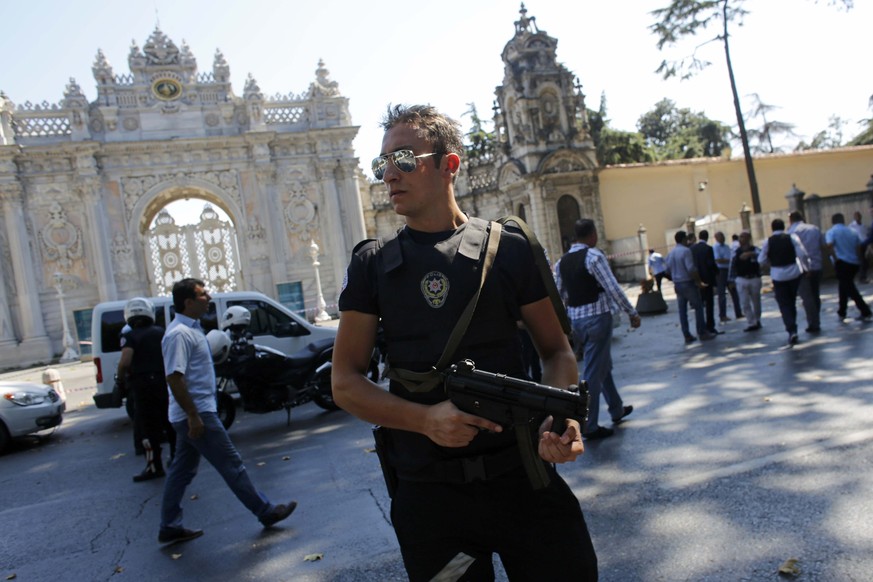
278	513
708	336
174	535
715	332
148	475
813	329
690	339
627	410
793	339
601	432
865	318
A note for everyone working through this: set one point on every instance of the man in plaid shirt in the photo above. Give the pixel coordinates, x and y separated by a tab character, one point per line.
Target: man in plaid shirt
589	290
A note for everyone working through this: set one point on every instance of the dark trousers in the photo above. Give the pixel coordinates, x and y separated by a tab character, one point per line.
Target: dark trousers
846	279
786	298
150	412
456	527
707	294
810	296
722	288
658	278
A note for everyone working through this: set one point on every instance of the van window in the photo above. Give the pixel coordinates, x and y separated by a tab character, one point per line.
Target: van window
111	323
208	322
267	320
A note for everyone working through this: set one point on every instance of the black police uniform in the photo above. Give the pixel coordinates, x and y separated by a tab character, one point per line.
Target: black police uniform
418	284
148	385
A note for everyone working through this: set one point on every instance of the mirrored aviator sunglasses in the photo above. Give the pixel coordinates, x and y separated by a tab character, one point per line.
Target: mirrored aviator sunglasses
404	160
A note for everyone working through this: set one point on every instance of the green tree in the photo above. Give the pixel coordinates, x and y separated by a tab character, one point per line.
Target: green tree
673	133
614	146
832	137
480	143
685	18
866	136
768	129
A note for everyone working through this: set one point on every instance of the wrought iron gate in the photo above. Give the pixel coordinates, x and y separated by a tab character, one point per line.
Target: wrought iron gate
206	250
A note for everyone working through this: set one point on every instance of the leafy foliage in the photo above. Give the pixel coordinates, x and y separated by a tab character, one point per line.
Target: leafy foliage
768	130
673	133
480	143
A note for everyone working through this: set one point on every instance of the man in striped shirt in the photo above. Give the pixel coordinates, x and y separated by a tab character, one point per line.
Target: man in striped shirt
589	290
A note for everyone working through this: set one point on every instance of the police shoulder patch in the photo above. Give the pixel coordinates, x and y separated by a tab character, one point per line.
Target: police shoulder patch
435	288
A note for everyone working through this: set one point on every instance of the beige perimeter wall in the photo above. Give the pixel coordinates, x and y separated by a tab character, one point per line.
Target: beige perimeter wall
662	196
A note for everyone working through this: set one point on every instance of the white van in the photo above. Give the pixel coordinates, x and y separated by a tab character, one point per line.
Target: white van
272	325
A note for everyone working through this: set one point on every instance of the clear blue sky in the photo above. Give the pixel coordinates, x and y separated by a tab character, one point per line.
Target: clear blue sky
808	58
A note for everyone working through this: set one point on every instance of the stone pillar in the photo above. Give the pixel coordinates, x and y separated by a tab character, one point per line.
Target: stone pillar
277	241
795	199
35	344
334	240
643	237
745	218
98	239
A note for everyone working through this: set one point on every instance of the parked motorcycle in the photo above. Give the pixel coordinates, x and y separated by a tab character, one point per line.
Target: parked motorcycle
266	379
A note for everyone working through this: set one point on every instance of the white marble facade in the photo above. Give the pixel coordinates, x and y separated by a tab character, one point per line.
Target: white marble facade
81	182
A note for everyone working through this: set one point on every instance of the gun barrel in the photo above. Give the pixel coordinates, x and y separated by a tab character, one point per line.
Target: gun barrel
509	391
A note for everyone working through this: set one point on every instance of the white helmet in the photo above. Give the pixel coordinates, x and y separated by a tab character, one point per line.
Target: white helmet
219	345
235	315
139	307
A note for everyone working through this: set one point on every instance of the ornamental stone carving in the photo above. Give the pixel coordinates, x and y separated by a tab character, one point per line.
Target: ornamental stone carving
122	255
134	188
61	240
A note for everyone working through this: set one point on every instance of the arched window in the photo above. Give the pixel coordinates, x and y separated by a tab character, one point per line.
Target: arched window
568	214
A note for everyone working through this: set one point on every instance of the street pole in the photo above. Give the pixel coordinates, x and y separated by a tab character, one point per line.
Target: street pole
322	315
70	354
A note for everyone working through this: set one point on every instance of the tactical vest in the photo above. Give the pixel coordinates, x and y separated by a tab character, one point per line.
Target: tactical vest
581	286
781	250
421	287
748	268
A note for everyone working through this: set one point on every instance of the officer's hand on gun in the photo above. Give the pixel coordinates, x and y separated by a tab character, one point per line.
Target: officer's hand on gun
448	426
563	448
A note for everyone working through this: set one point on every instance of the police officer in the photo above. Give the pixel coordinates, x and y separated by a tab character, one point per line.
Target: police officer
141	367
448	519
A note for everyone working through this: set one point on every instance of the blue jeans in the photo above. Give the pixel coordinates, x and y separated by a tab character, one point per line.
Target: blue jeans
217	448
594	336
687	292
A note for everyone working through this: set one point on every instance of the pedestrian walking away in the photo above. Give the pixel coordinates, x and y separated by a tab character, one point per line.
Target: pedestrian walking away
707	270
589	289
193	412
788	262
810	285
844	248
723	253
141	371
459	488
686	282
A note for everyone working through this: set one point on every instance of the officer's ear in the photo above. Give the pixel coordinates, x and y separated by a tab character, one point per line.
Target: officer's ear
453	162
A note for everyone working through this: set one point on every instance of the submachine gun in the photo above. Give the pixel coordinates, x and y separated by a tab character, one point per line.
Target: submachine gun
512	402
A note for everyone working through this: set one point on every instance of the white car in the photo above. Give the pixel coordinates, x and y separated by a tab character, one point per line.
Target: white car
26	408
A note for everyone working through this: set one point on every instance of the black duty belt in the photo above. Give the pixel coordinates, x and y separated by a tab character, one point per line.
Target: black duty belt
467	469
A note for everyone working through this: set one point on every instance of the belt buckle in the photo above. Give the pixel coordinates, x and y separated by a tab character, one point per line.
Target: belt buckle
474	469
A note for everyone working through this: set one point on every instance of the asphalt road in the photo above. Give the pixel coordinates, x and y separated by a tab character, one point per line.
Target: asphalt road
740	455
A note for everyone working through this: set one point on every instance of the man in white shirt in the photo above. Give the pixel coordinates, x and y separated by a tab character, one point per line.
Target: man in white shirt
788	261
